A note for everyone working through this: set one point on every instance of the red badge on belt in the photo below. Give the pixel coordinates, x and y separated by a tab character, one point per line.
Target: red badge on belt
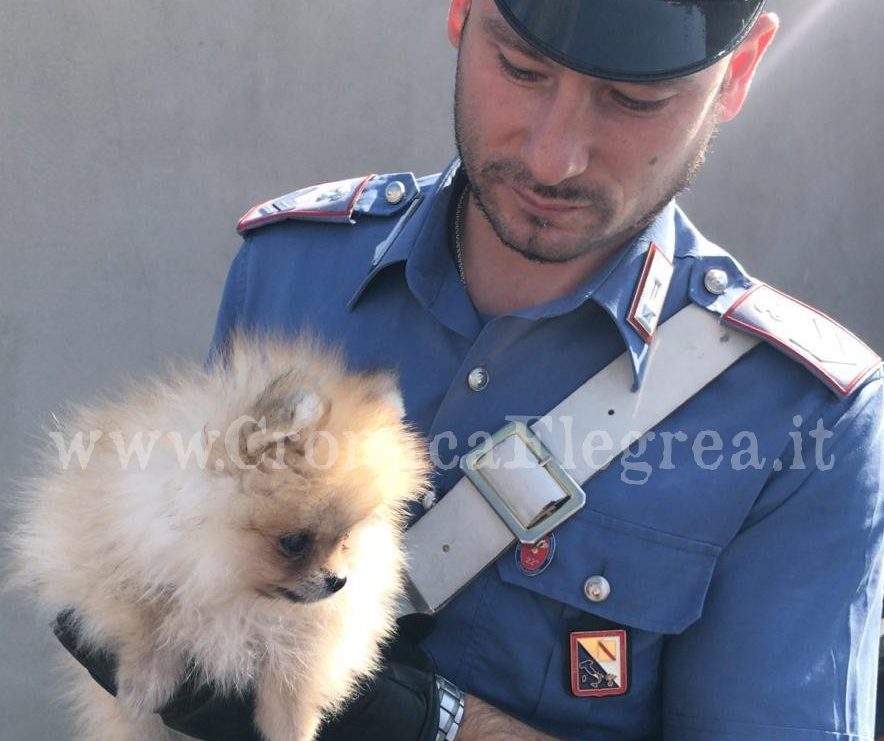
598	663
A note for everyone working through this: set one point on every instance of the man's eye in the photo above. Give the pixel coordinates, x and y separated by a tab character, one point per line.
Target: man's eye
517	73
634	104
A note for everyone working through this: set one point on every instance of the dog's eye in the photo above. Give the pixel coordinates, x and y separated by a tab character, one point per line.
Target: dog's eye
295	545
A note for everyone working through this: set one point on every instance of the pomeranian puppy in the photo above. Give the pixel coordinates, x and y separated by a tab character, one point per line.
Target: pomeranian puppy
240	520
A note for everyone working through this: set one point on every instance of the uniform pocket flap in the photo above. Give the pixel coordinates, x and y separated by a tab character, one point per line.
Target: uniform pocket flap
658	581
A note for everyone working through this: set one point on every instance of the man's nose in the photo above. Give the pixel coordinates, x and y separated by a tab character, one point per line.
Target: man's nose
558	145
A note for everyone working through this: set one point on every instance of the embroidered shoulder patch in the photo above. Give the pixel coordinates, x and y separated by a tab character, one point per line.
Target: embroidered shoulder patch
327	202
827	349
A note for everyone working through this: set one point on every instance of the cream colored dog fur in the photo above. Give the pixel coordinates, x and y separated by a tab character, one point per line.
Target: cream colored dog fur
231	560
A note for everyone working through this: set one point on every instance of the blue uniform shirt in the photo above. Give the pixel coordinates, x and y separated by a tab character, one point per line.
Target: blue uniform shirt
741	540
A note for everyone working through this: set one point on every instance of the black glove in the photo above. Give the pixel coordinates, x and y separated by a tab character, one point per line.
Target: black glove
400	704
102	665
197	711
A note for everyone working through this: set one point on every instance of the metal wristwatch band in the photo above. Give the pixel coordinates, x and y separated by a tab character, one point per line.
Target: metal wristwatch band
451	704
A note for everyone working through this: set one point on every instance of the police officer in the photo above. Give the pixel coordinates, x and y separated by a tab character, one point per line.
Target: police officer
722	580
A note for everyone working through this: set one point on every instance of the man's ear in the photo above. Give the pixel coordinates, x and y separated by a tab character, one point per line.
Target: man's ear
743	64
457	17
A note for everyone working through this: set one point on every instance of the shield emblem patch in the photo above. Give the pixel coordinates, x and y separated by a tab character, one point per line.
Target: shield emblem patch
598	663
532	559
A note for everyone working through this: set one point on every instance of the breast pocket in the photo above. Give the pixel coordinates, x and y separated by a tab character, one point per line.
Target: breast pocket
657	586
623	572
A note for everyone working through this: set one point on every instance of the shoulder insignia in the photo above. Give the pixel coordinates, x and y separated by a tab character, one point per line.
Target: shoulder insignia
647	302
830	351
336	202
328	202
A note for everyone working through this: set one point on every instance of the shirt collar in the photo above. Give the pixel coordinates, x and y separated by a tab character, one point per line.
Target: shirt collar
633	287
420	236
420	239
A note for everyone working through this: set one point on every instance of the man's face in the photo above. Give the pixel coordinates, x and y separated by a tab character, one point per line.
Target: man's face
563	164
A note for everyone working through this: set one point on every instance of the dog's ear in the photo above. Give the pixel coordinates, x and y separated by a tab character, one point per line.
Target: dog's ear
254	439
305	411
300	415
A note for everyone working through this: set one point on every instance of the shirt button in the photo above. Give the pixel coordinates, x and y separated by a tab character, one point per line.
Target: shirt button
478	378
394	192
597	589
715	281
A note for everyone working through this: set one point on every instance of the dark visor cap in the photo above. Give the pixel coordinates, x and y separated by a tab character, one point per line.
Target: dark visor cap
633	40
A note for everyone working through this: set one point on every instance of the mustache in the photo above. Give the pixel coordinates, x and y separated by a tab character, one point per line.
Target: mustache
512	171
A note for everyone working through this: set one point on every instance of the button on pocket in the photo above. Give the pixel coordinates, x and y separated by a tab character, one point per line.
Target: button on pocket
655	581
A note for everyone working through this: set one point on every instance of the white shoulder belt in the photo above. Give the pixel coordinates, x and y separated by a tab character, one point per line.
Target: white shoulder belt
525	481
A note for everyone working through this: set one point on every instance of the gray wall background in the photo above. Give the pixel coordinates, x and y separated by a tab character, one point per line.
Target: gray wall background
134	134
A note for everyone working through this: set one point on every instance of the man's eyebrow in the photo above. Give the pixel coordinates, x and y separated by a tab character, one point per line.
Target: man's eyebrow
674	83
502	33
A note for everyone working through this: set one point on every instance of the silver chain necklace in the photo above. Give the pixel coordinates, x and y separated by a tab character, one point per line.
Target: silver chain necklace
458	240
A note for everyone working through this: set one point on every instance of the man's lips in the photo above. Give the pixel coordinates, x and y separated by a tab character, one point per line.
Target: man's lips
543	208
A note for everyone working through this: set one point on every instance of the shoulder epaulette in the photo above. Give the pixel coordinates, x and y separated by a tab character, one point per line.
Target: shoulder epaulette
830	351
336	202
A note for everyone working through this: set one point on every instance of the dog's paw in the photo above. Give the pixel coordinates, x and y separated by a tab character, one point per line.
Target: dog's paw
146	684
283	726
284	714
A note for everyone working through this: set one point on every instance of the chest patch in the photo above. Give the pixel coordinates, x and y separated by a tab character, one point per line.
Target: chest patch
598	663
533	558
827	349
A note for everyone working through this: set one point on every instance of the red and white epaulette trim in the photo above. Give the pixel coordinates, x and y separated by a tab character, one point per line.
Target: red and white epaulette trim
332	202
830	351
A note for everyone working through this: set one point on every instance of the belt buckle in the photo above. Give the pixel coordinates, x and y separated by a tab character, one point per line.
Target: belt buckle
573	497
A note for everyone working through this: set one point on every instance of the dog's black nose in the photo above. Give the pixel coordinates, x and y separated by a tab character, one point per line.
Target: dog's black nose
335	582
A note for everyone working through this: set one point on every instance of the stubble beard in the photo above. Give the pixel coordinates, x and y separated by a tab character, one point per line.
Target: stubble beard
484	174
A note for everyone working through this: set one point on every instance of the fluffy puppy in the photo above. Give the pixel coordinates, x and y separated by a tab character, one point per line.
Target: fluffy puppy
240	521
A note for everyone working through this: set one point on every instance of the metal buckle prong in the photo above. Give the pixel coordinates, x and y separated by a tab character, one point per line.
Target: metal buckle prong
573	497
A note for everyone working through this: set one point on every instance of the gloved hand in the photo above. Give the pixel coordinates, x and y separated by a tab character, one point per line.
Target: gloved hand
199	712
400	704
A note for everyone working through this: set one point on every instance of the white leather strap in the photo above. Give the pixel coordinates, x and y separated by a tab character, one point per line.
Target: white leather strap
462	534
